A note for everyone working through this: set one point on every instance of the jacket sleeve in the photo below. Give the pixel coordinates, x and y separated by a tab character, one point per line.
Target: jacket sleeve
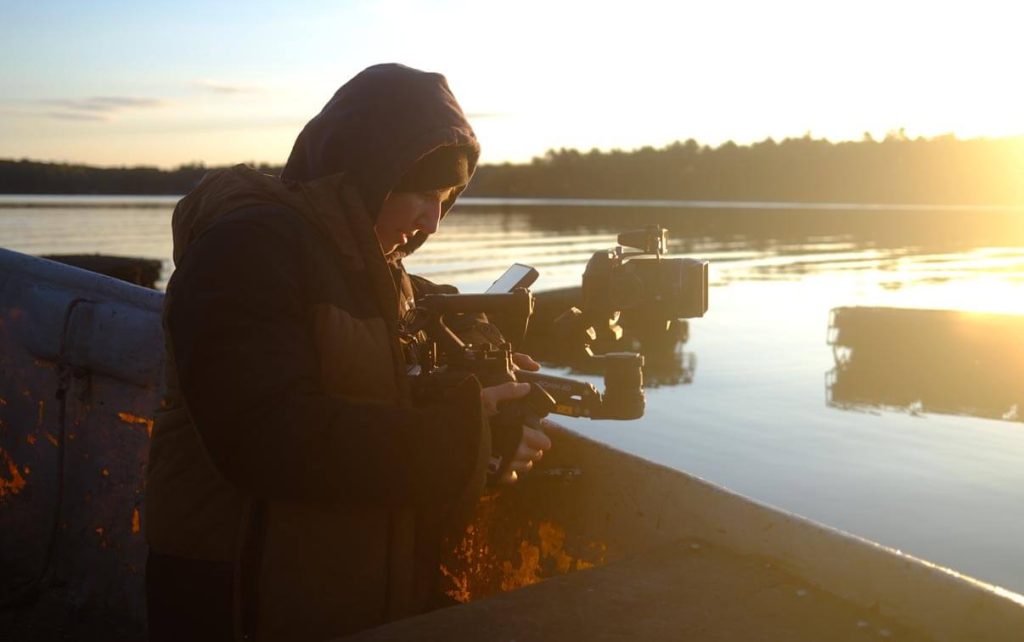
238	325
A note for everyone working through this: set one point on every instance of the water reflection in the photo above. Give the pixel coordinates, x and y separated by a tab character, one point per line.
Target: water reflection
899	248
785	231
937	361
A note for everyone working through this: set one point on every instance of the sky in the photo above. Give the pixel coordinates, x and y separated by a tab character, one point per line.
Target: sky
160	83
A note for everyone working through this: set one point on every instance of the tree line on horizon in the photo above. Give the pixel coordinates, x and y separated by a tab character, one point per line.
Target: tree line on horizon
897	169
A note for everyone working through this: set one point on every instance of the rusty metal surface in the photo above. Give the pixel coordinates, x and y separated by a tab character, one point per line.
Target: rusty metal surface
79	378
518	537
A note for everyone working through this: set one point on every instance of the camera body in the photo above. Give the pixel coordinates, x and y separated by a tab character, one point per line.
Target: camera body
641	287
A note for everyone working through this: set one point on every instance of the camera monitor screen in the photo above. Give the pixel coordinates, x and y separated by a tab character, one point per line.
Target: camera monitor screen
517	276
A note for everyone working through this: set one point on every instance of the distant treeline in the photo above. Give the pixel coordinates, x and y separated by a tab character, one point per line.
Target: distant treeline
32	177
895	170
943	170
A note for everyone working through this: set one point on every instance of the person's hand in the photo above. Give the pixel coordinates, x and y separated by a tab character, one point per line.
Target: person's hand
522	361
533	442
531	449
493	395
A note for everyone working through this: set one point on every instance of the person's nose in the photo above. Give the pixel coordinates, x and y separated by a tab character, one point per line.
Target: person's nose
430	218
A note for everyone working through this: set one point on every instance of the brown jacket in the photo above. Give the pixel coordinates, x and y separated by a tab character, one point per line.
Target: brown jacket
286	444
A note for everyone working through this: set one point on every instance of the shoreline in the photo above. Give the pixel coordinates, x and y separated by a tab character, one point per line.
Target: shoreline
53	201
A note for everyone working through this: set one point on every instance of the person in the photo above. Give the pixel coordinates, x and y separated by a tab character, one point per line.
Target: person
293	490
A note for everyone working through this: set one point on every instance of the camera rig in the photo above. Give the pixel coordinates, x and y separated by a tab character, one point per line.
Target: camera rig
633	279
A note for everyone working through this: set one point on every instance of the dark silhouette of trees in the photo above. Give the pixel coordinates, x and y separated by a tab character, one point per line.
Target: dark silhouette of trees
942	170
897	169
30	177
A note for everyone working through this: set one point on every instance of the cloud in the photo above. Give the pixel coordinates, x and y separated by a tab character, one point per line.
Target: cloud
75	105
219	87
117	102
102	104
69	115
96	108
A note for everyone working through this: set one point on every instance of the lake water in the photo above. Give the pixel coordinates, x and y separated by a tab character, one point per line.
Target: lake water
900	420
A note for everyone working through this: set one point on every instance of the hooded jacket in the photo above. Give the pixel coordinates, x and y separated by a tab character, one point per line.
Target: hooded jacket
286	444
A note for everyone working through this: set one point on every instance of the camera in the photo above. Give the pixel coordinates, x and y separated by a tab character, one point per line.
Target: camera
632	283
632	299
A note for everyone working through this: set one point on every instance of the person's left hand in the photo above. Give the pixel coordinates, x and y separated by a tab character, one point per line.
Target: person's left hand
522	361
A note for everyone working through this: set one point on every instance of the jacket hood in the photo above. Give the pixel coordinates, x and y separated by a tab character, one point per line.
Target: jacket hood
317	201
376	127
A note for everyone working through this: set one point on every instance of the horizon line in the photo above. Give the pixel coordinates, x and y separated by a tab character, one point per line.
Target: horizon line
11	201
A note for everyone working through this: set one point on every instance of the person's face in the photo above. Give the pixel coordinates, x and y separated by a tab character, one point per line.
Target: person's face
405	214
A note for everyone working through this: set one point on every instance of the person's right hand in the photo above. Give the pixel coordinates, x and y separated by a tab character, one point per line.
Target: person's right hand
532	444
531	449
